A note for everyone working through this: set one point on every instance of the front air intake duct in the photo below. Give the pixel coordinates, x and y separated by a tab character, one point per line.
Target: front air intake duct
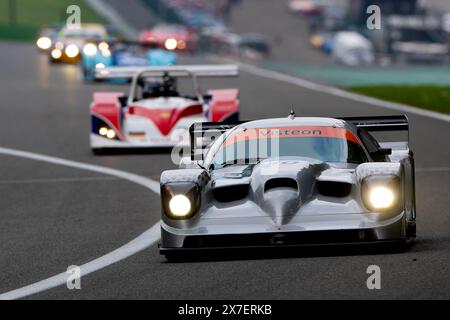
334	189
280	183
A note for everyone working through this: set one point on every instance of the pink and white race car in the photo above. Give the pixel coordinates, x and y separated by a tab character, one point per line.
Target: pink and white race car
155	113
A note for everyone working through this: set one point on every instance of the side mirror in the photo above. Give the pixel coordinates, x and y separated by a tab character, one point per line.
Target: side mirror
385	151
123	101
380	154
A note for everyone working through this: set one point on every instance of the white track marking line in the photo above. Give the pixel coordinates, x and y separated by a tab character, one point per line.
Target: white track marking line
56	180
140	243
278	76
148	183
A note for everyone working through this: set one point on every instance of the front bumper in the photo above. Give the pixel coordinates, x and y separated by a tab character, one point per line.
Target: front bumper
100	143
66	60
308	234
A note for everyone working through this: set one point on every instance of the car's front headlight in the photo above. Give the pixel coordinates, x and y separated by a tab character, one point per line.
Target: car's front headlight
180	205
382	194
44	43
72	51
180	200
381	197
56	54
103	46
107	132
90	49
171	44
106	53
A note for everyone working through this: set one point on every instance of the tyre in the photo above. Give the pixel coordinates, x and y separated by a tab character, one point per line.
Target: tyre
98	151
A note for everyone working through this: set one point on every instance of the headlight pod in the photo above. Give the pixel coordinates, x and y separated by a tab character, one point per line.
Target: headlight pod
382	194
180	200
107	133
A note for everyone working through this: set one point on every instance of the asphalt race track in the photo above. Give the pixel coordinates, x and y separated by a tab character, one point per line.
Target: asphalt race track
54	216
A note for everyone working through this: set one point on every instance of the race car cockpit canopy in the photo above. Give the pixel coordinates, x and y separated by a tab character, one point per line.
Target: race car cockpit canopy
323	143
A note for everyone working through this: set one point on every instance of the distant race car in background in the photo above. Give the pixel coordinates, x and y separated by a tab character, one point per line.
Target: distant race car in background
170	37
352	49
253	45
70	41
47	37
122	54
294	182
224	42
155	113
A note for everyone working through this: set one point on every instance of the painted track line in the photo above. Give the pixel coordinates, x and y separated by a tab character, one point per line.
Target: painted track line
278	76
145	240
58	180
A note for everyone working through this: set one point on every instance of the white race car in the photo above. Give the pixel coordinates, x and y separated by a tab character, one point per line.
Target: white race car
155	114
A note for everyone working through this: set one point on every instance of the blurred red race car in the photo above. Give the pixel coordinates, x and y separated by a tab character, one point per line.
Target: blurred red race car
156	113
170	37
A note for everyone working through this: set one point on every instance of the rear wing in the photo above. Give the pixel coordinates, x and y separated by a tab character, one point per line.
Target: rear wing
203	134
198	71
381	123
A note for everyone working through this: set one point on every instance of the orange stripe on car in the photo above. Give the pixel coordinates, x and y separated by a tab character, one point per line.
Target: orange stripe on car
292	132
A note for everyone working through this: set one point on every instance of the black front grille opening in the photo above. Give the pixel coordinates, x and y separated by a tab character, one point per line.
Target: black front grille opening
278	239
334	189
280	183
231	193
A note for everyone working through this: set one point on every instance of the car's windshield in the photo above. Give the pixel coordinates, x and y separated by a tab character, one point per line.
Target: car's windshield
327	144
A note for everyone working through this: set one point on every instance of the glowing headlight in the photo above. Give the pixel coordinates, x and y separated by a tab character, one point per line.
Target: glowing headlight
381	197
180	205
90	49
106	53
171	44
103	46
99	66
44	43
72	51
110	134
56	54
103	131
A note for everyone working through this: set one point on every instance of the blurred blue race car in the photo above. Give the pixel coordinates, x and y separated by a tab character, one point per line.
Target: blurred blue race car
121	54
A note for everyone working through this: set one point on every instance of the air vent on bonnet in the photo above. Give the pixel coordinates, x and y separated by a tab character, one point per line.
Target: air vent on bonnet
280	183
334	189
231	193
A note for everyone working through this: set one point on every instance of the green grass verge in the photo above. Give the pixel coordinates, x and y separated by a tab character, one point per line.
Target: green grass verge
31	15
435	98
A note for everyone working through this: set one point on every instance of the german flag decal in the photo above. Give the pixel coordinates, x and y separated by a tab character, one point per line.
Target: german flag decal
136	135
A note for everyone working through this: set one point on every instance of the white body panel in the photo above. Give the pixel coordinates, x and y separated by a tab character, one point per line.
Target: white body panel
141	132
